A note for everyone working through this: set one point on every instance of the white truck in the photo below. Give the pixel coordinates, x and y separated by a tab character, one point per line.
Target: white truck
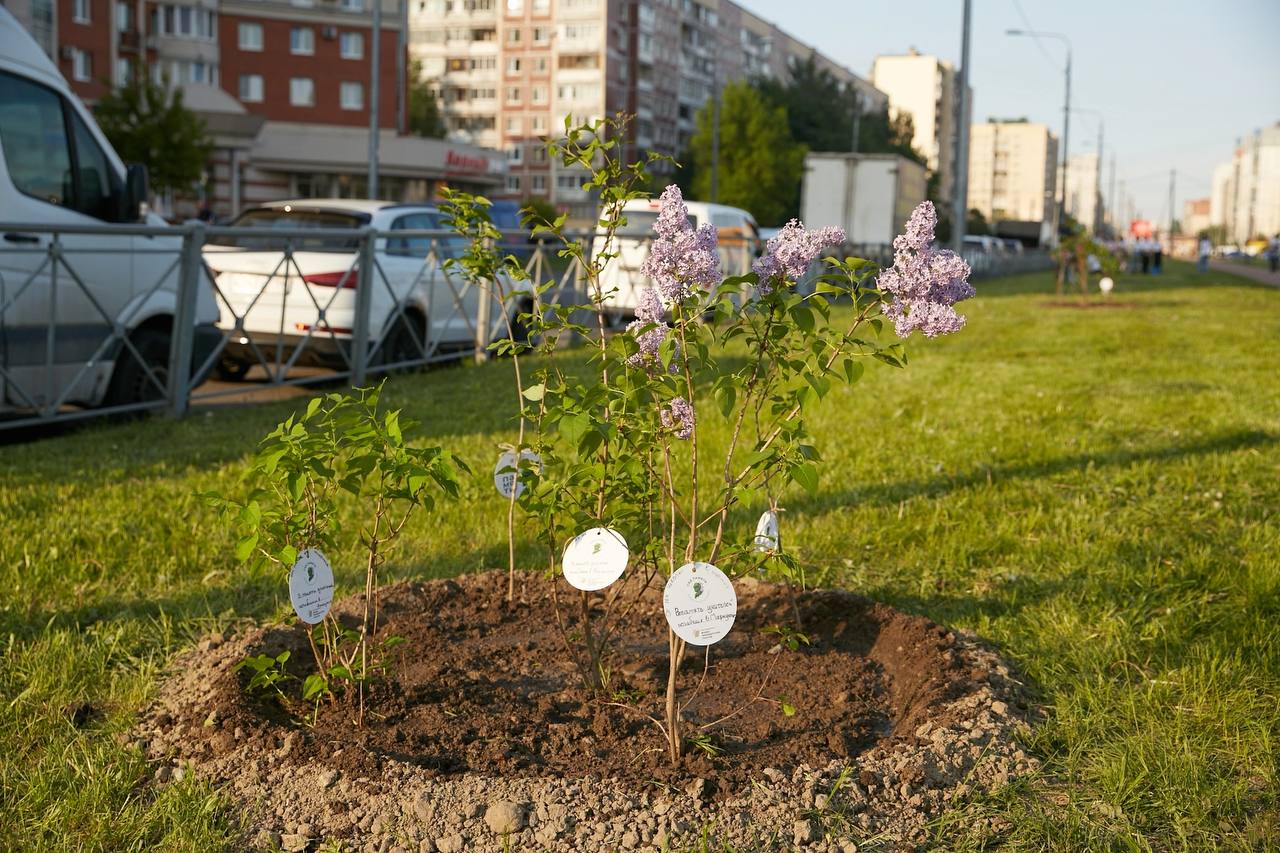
87	321
870	196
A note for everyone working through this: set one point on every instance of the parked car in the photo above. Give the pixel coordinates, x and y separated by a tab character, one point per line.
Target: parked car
57	169
309	304
621	280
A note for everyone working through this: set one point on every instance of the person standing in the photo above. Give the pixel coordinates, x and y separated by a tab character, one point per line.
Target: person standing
1205	250
1157	256
1273	253
1144	249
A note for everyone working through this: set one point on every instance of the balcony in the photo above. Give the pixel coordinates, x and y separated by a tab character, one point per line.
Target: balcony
130	41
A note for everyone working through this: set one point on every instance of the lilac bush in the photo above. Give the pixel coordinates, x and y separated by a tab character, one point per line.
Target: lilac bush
790	252
924	282
681	260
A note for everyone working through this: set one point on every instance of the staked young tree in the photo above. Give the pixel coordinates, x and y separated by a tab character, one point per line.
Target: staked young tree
147	122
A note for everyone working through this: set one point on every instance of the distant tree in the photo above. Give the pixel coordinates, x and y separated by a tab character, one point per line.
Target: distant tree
537	210
424	106
148	123
760	162
976	222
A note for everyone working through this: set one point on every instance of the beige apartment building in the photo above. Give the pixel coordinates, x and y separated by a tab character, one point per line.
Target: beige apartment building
924	87
510	71
1083	184
1012	172
1246	190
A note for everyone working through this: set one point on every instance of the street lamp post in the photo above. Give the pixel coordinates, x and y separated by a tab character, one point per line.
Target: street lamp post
1066	118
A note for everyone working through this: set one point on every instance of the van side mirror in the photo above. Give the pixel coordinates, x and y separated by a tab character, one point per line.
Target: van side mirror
135	192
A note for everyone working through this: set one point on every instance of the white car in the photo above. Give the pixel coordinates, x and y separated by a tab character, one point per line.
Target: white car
738	239
303	311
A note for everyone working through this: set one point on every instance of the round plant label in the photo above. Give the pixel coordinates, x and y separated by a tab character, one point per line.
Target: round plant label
506	477
700	603
595	558
767	532
311	586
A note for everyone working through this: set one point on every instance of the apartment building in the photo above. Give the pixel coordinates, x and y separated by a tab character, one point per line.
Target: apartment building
924	87
1246	190
283	87
510	71
1012	173
1083	185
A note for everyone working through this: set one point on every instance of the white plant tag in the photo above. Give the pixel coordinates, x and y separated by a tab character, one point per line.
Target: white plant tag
767	532
506	478
595	558
311	586
700	603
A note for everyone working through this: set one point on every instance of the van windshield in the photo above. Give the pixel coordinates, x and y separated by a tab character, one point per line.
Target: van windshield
280	218
640	223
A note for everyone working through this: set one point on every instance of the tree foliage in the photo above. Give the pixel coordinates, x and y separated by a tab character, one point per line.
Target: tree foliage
148	123
761	163
424	106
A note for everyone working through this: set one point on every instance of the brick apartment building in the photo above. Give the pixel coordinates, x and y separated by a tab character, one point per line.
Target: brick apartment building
283	87
509	71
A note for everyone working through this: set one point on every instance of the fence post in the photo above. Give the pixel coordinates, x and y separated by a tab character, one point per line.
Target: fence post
181	341
483	295
364	302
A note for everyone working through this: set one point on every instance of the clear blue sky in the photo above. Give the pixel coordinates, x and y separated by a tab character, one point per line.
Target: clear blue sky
1177	81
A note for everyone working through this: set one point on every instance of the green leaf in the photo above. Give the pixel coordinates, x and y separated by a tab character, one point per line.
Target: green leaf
806	475
853	370
726	396
788	710
573	427
535	392
244	548
314	687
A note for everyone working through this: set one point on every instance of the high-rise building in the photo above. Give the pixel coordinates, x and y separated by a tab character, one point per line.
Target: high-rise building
925	88
283	87
1246	191
1195	216
1084	200
509	71
1012	170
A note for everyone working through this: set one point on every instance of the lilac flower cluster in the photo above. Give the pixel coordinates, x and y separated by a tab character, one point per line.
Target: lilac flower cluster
678	417
924	282
681	259
648	313
789	252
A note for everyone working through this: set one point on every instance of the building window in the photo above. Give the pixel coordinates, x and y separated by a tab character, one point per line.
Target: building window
538	182
306	4
568	182
351	45
251	88
351	5
513	94
250	36
515	7
81	65
351	96
80	11
540	35
513	183
302	92
513	65
540	65
124	17
541	7
539	94
302	41
513	36
515	154
513	125
539	124
124	70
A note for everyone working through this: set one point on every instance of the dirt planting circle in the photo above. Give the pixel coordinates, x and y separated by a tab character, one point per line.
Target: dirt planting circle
483	737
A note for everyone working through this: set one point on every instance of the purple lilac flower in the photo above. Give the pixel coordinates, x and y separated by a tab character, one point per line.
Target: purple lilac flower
648	313
789	252
924	282
678	417
681	259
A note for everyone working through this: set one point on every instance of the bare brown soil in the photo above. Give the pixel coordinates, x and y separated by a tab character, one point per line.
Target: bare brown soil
482	691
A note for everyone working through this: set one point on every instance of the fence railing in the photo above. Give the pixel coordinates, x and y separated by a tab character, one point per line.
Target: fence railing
102	320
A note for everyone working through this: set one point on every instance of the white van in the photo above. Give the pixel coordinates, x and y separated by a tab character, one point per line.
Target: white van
738	238
59	318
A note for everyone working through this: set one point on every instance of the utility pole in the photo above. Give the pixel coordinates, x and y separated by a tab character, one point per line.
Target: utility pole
960	183
1172	178
857	117
402	49
715	139
375	48
1097	189
1112	202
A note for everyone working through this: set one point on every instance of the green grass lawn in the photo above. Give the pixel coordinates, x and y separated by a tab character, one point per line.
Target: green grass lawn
1093	489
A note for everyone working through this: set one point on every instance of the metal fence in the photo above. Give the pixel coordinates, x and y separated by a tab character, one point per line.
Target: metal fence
109	320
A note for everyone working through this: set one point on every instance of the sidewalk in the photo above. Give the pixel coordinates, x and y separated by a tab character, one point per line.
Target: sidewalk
1257	273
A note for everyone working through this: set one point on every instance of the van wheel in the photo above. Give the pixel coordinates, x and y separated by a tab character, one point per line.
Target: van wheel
231	369
129	381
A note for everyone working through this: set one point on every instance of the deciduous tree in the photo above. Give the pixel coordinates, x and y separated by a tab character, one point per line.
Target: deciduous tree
147	122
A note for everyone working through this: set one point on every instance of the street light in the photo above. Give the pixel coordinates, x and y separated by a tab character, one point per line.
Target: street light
1066	117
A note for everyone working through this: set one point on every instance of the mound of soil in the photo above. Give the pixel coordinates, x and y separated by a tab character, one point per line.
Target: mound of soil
483	734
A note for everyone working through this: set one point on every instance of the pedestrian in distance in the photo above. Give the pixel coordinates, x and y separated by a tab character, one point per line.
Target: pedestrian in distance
1205	250
1144	250
1273	253
1157	257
